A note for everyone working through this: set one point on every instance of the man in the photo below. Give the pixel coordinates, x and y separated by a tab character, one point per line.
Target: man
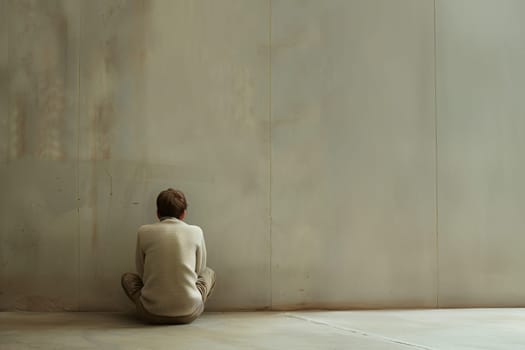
173	282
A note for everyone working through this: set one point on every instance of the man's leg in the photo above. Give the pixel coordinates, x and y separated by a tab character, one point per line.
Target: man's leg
132	285
206	283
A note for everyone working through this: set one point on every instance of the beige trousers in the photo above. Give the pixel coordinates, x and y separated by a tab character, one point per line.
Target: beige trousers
132	285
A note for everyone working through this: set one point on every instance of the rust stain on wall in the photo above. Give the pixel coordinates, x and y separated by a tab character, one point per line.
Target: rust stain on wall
51	104
18	127
103	121
40	79
114	57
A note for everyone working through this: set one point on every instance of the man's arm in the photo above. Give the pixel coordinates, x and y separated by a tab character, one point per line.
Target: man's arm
139	258
200	264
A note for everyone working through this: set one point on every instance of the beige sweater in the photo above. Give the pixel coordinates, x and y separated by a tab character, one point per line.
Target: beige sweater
170	256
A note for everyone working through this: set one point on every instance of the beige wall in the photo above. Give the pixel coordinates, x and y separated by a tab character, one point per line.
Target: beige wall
481	168
303	131
353	205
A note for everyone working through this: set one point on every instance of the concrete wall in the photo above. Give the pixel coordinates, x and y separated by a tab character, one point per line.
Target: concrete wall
303	132
481	168
353	204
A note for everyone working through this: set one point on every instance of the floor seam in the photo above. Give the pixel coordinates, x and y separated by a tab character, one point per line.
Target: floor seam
360	332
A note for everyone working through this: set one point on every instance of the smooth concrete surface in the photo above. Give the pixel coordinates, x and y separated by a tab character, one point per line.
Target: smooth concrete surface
481	79
353	146
457	329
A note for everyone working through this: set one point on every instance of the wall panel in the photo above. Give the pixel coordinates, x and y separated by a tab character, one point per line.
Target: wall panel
38	206
353	145
4	112
481	79
175	94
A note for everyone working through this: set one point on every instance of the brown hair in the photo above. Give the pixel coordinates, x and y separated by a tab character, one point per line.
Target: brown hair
171	203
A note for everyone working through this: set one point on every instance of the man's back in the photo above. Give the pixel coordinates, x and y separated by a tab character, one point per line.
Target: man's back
170	256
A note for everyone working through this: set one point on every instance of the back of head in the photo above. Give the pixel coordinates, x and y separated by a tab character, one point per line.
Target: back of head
171	203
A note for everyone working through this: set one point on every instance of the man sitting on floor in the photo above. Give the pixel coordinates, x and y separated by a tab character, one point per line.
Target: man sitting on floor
173	282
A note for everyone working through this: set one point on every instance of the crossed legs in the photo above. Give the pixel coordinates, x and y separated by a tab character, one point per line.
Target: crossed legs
132	285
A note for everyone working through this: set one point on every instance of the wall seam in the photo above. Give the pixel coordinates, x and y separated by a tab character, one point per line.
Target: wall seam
7	20
79	37
4	279
436	188
270	145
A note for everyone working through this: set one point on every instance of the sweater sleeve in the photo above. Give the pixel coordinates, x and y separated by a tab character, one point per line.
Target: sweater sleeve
200	264
139	258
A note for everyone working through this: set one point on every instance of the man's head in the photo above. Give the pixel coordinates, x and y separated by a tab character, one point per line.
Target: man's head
171	203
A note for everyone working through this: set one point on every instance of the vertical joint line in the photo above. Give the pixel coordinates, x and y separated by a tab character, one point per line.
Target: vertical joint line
270	144
79	37
7	22
436	156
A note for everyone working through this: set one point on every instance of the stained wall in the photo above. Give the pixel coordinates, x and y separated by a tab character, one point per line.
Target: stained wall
336	153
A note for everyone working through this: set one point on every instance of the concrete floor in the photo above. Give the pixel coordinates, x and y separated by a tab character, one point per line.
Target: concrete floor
377	330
